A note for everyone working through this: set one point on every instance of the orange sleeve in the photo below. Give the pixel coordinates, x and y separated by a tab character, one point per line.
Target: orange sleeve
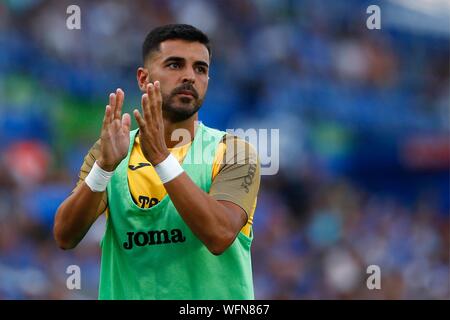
236	176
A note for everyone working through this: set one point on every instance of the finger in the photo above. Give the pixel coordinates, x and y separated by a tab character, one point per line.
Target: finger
151	98
120	95
140	120
158	97
146	112
126	123
112	102
107	117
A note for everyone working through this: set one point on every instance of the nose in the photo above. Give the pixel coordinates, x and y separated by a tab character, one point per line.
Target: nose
189	76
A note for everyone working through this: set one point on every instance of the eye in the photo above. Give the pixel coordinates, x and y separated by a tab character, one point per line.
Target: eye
174	65
200	69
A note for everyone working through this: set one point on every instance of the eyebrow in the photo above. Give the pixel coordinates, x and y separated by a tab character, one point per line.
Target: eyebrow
180	59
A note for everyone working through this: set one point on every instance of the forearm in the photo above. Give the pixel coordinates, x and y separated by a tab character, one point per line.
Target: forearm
78	212
75	216
211	221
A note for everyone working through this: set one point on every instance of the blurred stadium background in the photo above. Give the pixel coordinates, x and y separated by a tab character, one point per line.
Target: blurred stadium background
364	129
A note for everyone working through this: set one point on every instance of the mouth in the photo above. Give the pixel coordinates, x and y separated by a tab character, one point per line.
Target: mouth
186	93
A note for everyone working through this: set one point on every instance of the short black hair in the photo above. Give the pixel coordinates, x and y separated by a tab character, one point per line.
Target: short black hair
172	31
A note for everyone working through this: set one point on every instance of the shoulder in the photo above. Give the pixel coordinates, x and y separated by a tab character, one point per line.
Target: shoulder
238	149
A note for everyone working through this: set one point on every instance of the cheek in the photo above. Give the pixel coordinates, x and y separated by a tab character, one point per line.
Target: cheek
164	80
166	95
203	87
166	86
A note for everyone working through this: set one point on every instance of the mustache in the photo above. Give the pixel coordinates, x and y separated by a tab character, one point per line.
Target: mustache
185	87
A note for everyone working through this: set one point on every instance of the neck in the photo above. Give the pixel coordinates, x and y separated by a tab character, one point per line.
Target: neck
181	138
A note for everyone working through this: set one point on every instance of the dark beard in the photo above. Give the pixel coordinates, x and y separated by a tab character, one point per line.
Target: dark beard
177	114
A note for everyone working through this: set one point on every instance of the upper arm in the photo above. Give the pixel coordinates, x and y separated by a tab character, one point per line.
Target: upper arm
239	215
237	177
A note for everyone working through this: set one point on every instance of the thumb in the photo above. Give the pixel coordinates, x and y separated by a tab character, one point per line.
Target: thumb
126	122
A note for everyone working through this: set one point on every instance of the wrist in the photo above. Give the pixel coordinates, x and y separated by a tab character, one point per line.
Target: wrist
107	167
168	169
157	160
98	178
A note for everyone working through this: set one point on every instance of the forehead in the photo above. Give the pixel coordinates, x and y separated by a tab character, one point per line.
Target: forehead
189	50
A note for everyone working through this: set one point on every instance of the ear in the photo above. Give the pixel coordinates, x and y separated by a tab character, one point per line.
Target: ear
142	78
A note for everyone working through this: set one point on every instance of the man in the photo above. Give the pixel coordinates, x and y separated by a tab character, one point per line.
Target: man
179	197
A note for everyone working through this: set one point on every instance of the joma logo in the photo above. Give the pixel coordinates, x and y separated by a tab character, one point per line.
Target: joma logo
153	237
